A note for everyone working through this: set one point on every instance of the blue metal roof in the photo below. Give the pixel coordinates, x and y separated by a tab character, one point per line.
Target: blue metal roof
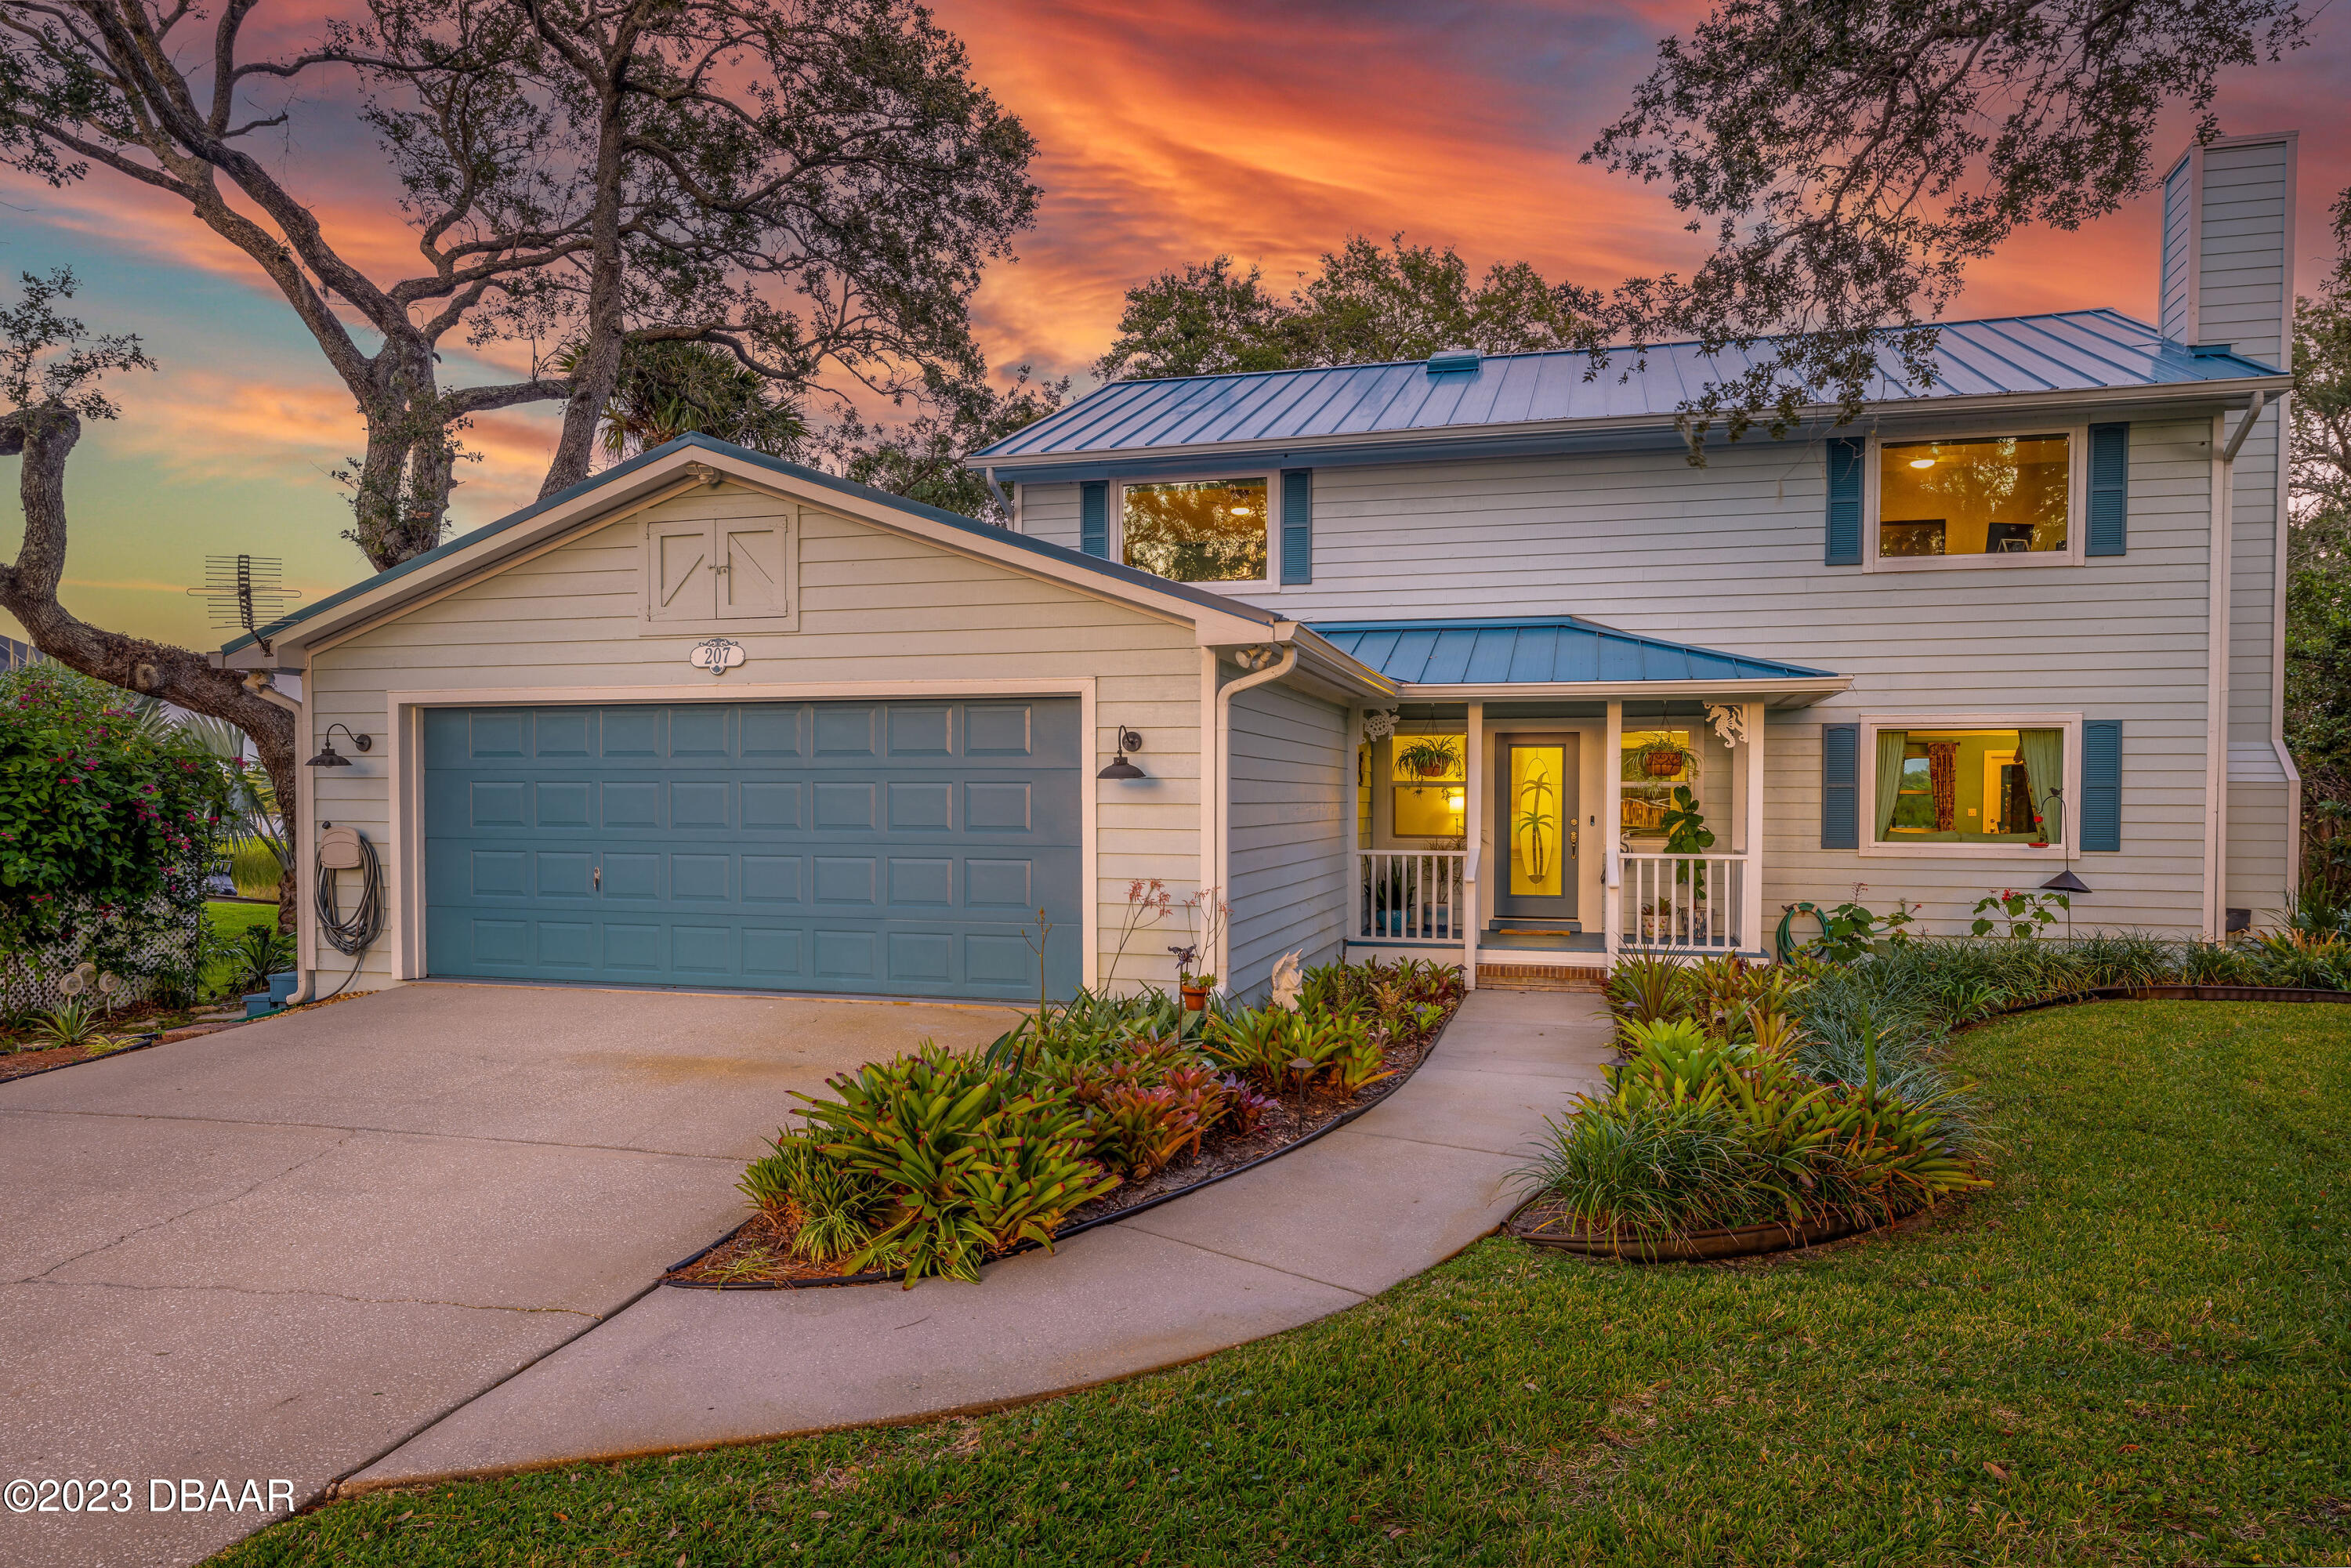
2078	351
1559	650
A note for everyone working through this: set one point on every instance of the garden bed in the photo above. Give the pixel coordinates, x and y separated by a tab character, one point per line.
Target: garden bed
760	1254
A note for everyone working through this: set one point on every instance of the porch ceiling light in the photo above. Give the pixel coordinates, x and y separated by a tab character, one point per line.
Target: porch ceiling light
1119	767
328	757
2064	881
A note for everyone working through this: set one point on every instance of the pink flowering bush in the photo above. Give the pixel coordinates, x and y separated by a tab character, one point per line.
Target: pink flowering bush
108	822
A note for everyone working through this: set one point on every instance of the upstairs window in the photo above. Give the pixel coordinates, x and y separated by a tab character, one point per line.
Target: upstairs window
1216	530
1979	498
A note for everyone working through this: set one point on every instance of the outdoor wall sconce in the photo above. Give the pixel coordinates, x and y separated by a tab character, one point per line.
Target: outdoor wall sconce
1119	767
329	758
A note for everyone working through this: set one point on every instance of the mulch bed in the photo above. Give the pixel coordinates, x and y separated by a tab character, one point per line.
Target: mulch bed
755	1256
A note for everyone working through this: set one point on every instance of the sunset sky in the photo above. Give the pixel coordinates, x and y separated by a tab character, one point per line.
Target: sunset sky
1168	134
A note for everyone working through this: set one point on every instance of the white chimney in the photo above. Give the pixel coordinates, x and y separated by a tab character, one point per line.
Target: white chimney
2228	247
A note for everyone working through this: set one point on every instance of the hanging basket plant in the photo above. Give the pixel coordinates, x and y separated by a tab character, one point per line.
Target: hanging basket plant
1663	761
1430	757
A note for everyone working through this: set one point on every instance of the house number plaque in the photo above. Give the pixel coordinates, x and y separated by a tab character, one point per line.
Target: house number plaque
716	654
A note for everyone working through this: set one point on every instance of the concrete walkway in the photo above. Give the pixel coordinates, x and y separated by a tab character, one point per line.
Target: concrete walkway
1313	1233
273	1253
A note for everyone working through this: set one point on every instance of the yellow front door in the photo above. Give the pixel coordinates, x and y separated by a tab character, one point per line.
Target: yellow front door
1537	825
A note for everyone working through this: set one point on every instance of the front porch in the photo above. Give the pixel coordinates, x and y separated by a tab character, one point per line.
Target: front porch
1535	824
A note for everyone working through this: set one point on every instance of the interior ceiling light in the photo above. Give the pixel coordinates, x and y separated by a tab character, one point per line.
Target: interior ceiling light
1922	463
1241	511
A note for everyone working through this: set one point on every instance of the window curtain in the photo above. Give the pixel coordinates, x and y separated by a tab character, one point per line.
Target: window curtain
1890	746
2043	752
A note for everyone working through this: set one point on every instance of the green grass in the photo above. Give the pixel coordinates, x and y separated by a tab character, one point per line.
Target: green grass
230	920
2132	1348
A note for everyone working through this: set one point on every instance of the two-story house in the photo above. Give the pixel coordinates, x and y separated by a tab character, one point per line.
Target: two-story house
1462	659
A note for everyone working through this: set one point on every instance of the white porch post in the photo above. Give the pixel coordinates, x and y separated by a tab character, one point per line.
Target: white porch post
1612	812
1473	828
1750	911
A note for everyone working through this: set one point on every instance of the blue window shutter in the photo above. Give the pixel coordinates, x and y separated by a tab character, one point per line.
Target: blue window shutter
1297	525
1847	453
1840	786
1094	516
2102	786
2109	491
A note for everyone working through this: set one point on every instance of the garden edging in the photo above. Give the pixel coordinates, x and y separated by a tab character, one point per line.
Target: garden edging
877	1277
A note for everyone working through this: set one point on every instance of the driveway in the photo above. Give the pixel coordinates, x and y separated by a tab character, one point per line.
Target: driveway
273	1253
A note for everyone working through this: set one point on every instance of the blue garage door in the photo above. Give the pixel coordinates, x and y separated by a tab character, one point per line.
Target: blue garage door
901	847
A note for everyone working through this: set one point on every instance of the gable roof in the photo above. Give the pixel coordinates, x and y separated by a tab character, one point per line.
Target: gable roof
2068	352
1557	651
598	494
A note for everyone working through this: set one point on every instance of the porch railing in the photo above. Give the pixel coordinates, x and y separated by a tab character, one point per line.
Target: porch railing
1409	895
1683	902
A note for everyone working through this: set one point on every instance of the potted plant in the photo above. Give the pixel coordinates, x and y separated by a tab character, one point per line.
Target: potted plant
1212	910
1430	755
1662	757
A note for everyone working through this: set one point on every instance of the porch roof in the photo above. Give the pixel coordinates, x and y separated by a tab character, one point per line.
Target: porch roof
1555	651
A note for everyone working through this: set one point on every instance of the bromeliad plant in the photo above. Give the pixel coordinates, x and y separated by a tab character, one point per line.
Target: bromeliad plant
976	1166
933	1163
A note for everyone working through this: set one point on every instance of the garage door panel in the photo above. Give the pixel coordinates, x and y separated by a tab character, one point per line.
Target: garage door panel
923	808
844	729
1000	731
566	945
876	847
564	875
565	733
635	875
635	803
707	877
920	731
566	804
771	879
769	803
699	803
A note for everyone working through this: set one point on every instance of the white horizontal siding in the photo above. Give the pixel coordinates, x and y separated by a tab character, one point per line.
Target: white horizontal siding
2261	848
1287	859
1049	512
875	607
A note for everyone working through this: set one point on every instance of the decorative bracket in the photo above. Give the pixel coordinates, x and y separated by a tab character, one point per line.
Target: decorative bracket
1379	723
1730	721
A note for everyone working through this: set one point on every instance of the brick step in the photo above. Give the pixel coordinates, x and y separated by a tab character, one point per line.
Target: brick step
1542	976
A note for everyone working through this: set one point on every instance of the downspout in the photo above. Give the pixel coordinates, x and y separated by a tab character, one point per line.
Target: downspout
306	977
996	490
1220	842
2216	691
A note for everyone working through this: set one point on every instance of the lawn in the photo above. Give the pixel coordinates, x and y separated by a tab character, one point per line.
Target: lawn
2134	1348
229	921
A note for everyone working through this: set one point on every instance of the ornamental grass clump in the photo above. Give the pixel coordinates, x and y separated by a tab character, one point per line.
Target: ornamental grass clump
1712	1122
829	1209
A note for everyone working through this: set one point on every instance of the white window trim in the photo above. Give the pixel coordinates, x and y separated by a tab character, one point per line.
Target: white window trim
2077	478
1865	777
1270	582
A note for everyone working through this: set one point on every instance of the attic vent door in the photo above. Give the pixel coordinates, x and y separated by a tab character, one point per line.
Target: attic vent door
755	559
677	558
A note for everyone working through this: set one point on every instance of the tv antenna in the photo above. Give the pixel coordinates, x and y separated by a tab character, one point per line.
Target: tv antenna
245	590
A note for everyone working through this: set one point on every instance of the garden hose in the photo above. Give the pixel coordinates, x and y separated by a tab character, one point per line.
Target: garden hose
355	934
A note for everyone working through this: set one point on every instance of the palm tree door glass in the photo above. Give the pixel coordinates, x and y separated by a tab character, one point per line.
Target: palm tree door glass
1540	818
